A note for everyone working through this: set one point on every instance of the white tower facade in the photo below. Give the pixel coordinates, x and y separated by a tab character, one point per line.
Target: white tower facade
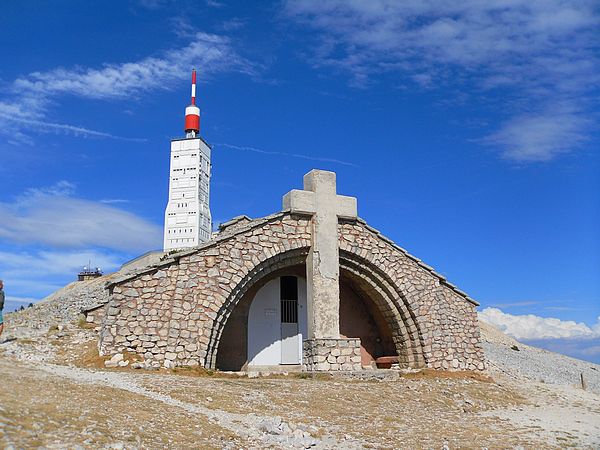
187	216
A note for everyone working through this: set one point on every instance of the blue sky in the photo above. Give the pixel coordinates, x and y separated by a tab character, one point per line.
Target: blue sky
467	130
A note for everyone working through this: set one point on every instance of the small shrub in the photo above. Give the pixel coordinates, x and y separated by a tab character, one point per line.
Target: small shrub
515	348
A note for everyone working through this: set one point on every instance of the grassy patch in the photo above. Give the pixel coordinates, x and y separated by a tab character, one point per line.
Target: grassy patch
312	376
201	372
82	323
89	356
447	374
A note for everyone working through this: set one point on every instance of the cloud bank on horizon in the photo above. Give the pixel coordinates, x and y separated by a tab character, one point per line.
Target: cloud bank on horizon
568	337
530	326
533	58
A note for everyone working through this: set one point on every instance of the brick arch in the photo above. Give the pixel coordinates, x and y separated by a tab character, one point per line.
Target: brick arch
374	283
261	270
367	278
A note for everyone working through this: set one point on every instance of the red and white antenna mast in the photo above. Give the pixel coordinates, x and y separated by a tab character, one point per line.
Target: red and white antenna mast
192	113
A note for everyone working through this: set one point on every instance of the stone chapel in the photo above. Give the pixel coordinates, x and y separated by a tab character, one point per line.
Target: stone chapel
312	287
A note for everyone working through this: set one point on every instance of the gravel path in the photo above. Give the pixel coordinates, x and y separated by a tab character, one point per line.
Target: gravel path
50	402
532	402
266	430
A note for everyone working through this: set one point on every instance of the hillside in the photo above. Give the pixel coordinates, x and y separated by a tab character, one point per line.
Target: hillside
57	393
520	361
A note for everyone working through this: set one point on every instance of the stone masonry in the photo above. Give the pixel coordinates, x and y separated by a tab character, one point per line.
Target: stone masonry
174	313
441	319
331	354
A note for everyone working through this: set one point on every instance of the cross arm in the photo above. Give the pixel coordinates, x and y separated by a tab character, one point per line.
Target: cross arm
299	202
346	207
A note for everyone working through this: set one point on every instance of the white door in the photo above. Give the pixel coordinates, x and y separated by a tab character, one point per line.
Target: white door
290	353
288	294
289	332
277	322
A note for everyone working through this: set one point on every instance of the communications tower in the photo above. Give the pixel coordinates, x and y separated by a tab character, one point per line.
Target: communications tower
187	216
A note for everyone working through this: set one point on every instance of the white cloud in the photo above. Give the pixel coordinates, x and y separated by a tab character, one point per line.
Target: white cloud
54	217
35	274
209	53
152	4
110	201
425	34
44	263
516	304
21	299
539	137
52	234
530	326
214	4
14	303
292	155
74	130
27	100
541	53
592	350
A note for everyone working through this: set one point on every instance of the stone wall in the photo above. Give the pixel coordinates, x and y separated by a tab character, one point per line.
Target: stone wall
174	314
445	318
331	355
170	314
95	315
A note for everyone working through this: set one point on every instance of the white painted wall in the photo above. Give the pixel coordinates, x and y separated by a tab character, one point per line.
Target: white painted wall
187	215
264	327
264	324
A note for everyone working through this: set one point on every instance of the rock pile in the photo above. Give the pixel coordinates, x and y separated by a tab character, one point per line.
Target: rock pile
63	306
116	361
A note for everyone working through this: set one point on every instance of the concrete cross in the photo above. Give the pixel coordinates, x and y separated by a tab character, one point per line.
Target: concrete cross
319	199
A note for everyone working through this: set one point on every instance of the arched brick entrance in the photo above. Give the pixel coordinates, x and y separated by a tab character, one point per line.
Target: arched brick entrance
374	284
261	272
369	281
232	353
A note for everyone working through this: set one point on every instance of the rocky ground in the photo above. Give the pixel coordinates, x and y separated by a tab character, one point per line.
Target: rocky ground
57	393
